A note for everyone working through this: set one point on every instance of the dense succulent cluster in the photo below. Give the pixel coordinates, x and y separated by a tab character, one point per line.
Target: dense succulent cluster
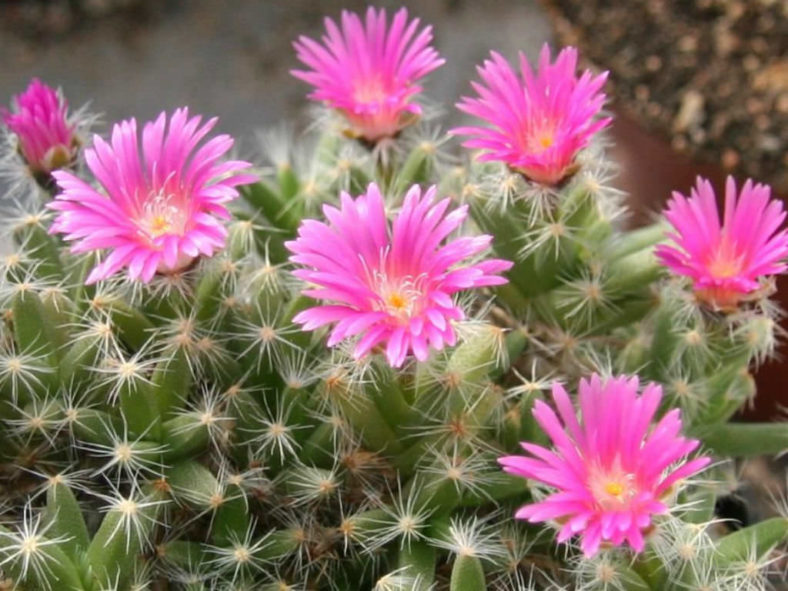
307	375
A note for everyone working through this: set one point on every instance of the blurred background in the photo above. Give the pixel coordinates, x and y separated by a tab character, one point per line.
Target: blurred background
229	58
697	86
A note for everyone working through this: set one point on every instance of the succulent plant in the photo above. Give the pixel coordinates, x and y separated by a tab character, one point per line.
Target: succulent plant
314	392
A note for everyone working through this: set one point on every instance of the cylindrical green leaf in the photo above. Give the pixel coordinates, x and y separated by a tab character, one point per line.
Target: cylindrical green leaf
276	208
362	414
209	294
637	240
134	328
231	521
752	542
193	483
33	334
415	169
137	405
77	360
115	548
467	574
664	341
64	516
41	247
182	553
185	436
318	449
745	439
280	543
502	487
171	381
55	570
417	560
96	426
631	273
387	395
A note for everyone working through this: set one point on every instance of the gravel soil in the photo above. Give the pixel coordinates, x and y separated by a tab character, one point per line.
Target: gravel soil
711	76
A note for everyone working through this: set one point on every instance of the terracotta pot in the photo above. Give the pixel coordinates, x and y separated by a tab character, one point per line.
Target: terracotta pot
650	170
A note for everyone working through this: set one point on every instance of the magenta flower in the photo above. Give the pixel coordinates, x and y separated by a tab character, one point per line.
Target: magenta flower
537	125
725	261
161	208
368	73
40	122
392	284
612	470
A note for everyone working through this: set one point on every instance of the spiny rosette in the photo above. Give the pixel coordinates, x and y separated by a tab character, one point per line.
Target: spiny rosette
725	261
39	119
536	125
160	208
612	468
391	283
368	70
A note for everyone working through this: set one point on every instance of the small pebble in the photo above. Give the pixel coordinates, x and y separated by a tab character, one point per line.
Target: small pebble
653	63
730	158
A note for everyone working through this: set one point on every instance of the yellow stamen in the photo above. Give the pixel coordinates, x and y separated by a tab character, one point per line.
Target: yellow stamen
724	268
397	301
159	225
727	261
615	489
546	141
370	91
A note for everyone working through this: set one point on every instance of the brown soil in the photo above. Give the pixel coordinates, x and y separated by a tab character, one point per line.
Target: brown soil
710	75
47	19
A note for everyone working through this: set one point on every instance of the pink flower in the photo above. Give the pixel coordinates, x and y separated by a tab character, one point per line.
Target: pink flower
40	122
162	208
725	261
369	72
392	284
611	468
537	125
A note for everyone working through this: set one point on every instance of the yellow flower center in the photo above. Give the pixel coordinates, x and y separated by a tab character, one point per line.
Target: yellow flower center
370	90
397	301
538	139
615	489
401	303
723	269
159	225
162	213
725	261
546	141
402	298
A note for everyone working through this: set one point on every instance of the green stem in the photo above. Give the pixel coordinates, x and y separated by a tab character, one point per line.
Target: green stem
467	574
632	272
388	397
363	415
637	240
759	538
746	439
417	560
281	213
